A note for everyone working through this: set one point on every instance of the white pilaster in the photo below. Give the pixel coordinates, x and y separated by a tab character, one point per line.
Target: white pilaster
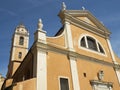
111	51
74	71
73	65
41	70
118	75
40	59
114	61
69	40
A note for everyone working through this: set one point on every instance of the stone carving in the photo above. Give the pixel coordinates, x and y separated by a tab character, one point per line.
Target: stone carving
40	25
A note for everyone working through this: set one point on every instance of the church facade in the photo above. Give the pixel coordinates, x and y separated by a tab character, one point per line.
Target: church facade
78	57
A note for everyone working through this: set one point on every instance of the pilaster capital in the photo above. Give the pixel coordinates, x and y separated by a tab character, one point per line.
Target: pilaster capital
117	66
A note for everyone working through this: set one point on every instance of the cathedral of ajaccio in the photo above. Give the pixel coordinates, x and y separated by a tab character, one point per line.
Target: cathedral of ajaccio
78	57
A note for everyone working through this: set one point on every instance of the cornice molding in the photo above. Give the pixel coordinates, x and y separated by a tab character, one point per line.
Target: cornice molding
22	47
19	33
96	82
16	61
66	52
48	47
69	15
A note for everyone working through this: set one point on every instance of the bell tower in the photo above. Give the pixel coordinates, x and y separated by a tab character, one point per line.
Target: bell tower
19	48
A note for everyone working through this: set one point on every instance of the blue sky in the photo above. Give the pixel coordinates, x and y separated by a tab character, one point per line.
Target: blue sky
13	12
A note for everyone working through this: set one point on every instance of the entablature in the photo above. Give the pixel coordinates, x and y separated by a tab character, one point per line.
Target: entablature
70	16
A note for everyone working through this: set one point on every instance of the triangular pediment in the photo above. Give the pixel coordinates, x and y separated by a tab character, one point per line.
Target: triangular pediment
84	19
87	17
87	20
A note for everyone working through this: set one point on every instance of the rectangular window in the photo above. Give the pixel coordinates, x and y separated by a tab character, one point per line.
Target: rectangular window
64	85
20	55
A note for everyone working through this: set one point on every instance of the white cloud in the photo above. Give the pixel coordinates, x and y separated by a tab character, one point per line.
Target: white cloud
36	3
115	17
8	12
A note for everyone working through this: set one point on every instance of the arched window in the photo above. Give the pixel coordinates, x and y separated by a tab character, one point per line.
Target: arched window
100	48
91	43
83	44
20	55
21	41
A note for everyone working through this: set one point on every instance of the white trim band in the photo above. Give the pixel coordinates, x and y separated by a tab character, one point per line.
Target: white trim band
74	72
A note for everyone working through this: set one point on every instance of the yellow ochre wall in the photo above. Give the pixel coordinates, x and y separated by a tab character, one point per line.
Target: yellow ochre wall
57	40
91	69
78	32
58	66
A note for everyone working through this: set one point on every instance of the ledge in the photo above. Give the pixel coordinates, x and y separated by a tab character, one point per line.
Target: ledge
96	82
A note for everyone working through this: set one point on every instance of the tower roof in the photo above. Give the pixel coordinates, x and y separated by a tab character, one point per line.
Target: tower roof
21	29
